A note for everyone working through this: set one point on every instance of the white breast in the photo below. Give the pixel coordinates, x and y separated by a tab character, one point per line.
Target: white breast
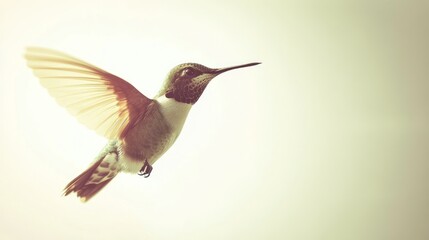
175	112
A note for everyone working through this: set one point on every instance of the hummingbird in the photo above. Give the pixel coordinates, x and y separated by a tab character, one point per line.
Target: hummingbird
139	129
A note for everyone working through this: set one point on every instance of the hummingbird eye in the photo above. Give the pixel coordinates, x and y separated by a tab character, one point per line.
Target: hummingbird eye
190	72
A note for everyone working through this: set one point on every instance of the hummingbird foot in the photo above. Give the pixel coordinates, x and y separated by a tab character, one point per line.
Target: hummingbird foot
145	170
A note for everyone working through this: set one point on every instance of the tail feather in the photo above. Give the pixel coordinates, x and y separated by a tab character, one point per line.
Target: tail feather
81	180
92	180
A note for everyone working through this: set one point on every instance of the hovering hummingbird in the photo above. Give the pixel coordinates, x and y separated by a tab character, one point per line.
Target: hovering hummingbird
140	130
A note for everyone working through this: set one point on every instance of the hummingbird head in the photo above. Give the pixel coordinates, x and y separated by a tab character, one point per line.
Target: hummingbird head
186	82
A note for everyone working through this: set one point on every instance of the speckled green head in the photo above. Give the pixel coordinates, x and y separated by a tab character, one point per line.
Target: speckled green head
186	82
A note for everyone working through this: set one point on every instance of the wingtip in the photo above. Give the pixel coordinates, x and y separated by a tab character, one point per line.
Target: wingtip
33	49
30	51
36	51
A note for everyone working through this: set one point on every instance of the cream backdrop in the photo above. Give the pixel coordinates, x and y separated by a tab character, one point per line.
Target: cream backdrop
327	139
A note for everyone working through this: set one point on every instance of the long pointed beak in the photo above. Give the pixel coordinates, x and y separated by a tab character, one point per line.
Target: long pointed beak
222	70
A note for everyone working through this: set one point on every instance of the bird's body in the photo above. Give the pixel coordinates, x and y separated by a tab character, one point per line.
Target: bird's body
154	134
140	130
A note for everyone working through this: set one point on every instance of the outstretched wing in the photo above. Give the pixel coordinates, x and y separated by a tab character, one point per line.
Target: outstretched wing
100	100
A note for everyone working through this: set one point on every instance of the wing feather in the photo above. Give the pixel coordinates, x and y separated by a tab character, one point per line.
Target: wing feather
100	100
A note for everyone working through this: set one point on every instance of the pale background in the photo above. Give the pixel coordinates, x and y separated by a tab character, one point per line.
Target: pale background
327	139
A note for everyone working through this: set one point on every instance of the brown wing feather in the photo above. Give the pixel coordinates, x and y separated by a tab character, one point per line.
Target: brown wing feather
100	100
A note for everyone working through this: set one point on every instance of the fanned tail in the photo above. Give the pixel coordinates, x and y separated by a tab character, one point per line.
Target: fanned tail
98	175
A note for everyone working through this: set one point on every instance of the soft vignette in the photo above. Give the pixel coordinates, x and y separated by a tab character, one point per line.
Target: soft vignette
328	139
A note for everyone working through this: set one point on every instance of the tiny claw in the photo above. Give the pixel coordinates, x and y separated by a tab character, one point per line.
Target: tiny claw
145	170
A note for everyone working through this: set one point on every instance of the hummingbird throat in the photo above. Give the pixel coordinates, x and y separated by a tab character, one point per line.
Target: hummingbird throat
186	94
